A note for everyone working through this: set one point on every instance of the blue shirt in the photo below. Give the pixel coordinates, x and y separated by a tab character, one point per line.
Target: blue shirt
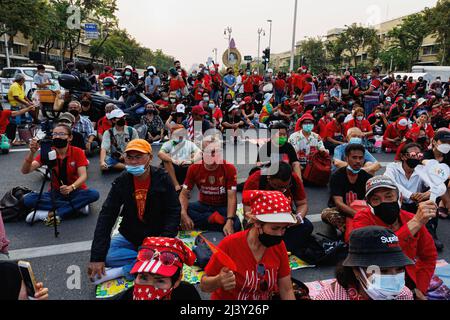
339	154
229	79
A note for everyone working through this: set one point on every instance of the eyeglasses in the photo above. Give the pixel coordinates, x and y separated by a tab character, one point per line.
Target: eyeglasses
415	155
165	257
59	134
261	272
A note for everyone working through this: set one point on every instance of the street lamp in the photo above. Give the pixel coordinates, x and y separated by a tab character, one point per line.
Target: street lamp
228	30
270	34
260	30
293	36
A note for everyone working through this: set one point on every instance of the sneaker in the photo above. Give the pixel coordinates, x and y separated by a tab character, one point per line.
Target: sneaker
85	210
41	215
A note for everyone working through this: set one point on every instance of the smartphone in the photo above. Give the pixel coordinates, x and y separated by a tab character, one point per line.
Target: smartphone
28	277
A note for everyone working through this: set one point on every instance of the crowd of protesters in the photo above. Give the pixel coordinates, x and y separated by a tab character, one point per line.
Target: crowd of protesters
343	120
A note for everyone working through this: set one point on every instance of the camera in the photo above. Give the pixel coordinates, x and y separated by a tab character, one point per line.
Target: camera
48	156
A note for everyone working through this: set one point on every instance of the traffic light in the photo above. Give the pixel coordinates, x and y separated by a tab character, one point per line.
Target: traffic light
266	57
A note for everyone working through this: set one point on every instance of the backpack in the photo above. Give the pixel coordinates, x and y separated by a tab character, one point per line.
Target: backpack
202	252
318	169
12	206
322	251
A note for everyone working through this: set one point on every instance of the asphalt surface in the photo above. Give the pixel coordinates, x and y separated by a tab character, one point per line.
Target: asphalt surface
65	273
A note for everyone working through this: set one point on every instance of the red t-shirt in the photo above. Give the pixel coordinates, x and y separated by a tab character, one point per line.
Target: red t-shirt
248	86
322	127
213	185
280	84
103	125
253	183
176	84
4	120
333	131
75	159
391	132
249	276
218	114
363	125
140	194
162	102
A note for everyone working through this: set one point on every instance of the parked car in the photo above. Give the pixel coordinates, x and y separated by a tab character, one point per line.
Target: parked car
7	77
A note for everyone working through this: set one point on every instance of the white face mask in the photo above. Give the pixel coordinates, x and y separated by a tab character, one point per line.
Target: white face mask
381	286
444	148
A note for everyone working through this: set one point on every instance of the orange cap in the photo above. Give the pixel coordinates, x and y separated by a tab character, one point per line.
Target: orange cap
139	145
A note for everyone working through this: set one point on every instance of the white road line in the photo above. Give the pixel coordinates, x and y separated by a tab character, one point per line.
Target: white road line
19	150
30	253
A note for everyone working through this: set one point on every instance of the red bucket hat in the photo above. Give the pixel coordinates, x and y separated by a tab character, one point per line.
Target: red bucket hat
307	116
163	256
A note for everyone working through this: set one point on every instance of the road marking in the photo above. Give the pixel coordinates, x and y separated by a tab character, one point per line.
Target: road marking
19	150
55	250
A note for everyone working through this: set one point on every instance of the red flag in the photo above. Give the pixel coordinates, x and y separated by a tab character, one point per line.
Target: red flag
221	256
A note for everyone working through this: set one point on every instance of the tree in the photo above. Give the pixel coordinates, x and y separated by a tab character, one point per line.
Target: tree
408	38
357	38
334	51
15	16
438	19
396	57
313	51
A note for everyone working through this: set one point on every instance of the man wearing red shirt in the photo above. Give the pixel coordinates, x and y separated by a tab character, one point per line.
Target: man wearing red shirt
176	81
257	80
6	114
382	196
69	175
201	86
216	180
321	128
394	135
335	131
108	73
410	87
248	82
216	82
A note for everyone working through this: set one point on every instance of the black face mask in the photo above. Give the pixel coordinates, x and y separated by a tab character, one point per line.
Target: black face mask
75	113
422	140
268	240
413	163
60	143
388	212
121	122
341	119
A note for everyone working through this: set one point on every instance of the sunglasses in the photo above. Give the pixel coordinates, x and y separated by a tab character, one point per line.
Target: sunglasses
415	155
261	272
165	257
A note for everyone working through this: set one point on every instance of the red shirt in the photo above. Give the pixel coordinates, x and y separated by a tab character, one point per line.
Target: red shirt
280	84
248	85
363	125
429	131
140	195
410	87
199	91
103	125
176	84
75	159
253	183
274	264
419	248
322	126
392	132
218	114
4	120
333	131
213	185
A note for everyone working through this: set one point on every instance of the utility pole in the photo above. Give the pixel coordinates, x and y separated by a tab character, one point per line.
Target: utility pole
270	34
8	60
293	36
260	30
215	54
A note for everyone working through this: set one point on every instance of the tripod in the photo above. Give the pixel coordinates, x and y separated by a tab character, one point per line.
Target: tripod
48	172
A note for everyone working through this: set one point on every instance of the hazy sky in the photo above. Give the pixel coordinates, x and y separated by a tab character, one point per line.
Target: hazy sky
189	30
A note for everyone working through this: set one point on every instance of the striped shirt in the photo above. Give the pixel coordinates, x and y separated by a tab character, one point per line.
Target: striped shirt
336	292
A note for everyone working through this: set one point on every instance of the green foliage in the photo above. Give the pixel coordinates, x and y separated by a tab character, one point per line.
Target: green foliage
438	19
400	61
313	51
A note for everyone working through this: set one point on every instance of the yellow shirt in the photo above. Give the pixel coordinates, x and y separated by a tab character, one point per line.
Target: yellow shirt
16	90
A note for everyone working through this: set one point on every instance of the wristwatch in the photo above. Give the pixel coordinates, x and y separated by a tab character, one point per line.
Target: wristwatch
74	187
299	218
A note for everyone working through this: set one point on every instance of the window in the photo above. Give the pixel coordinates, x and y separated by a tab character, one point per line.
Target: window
429	50
8	73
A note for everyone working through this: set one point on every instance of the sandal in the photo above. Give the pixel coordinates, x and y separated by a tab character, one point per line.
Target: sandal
50	220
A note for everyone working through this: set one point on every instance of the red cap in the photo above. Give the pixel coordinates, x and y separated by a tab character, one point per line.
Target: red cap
162	244
402	123
199	111
248	99
307	116
269	206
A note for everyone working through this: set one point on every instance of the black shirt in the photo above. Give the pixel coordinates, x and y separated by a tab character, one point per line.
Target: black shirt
93	114
286	152
340	186
78	140
184	292
378	129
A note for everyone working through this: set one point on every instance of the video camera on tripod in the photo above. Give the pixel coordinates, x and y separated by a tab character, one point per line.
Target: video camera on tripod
48	156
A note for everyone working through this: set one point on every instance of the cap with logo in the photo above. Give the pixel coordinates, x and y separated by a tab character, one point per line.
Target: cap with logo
378	182
181	108
375	246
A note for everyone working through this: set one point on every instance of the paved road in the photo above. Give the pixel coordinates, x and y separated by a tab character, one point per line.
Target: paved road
52	257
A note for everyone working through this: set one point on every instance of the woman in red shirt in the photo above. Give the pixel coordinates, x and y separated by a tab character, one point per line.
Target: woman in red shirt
359	122
262	263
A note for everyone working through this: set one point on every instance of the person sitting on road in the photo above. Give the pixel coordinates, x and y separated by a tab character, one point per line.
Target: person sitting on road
4	242
279	149
355	278
178	154
394	135
335	135
287	182
305	141
13	287
258	252
355	136
154	124
159	270
383	196
115	141
233	121
412	187
146	200
104	124
69	174
88	110
84	126
5	115
216	181
77	138
347	185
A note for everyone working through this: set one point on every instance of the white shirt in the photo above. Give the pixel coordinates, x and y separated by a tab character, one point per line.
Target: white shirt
183	151
407	187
